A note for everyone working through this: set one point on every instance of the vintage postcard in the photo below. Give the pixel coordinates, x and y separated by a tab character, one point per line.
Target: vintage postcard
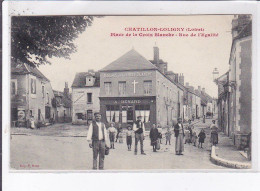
131	92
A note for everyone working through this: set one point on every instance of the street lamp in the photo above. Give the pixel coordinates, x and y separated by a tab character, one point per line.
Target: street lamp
215	74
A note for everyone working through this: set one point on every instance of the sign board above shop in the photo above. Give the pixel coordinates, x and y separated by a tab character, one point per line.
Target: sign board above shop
127	74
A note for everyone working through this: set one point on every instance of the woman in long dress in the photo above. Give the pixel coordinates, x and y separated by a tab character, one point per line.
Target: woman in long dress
214	133
179	134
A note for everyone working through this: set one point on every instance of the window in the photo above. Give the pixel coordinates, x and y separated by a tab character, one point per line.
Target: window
47	98
89	97
144	111
147	87
13	87
33	85
122	88
43	92
124	114
108	88
80	116
89	114
112	113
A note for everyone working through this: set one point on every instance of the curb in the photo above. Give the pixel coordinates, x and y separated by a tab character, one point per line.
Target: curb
227	163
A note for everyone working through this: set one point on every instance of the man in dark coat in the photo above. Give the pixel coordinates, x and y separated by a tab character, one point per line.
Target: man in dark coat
154	134
179	134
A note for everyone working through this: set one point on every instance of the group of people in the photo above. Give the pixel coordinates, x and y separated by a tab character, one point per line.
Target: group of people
191	136
98	137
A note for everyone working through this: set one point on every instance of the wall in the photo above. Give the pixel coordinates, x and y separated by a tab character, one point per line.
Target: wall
169	98
245	88
129	77
79	101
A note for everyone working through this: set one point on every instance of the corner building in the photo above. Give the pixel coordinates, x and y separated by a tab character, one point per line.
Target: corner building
132	86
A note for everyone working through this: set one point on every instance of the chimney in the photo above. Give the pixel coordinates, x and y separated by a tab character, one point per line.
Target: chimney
181	79
66	89
199	88
187	84
91	71
203	90
156	55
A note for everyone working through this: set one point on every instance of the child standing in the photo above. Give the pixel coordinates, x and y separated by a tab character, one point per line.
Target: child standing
129	134
168	135
202	137
112	133
187	136
194	138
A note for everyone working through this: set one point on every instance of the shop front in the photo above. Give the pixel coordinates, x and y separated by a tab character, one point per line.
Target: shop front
122	110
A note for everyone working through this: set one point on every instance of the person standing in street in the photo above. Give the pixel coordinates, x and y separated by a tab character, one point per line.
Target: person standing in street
214	133
97	137
129	133
154	134
139	130
119	129
160	133
179	134
168	135
112	134
202	137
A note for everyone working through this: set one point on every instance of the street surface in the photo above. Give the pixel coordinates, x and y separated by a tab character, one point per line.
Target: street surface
64	147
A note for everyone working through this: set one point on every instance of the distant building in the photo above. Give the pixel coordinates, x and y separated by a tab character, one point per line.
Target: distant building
31	96
194	103
132	86
63	105
85	96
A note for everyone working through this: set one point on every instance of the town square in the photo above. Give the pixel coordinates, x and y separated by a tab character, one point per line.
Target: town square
112	102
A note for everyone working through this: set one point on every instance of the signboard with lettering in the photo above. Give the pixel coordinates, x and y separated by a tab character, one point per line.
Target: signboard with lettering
127	74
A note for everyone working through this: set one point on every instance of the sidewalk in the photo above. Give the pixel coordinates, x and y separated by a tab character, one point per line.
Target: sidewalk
226	154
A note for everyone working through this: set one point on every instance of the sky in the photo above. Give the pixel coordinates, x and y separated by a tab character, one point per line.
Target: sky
195	57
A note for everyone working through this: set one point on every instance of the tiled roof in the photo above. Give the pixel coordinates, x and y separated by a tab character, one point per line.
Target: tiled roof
131	60
23	68
80	79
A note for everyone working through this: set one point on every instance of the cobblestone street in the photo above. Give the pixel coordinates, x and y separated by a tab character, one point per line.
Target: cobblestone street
64	147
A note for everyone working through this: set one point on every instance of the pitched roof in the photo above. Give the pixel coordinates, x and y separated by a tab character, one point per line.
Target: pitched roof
23	68
80	79
131	60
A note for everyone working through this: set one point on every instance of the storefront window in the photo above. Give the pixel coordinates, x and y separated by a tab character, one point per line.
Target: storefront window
112	113
144	111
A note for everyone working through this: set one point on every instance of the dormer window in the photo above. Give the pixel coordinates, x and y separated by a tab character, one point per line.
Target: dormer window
90	80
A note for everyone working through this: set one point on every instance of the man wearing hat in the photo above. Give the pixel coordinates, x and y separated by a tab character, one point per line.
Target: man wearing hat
97	138
139	130
179	134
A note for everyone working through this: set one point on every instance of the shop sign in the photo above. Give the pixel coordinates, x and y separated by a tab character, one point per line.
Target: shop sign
127	74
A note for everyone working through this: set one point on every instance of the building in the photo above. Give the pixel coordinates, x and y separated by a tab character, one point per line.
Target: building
235	87
63	105
31	96
85	96
194	103
132	86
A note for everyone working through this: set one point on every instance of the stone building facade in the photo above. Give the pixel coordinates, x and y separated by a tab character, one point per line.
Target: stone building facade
85	96
63	105
132	86
31	96
235	86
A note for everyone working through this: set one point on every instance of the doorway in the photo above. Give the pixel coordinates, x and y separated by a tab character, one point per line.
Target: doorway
130	114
